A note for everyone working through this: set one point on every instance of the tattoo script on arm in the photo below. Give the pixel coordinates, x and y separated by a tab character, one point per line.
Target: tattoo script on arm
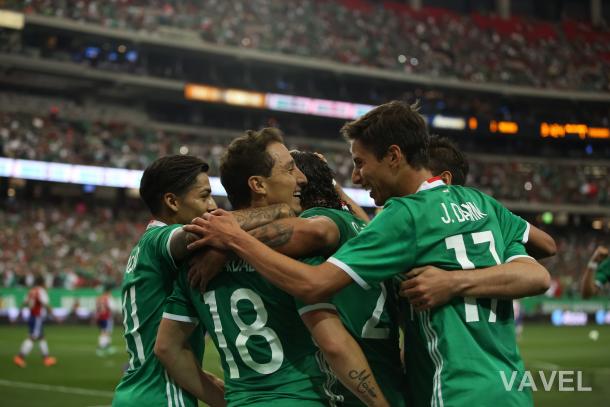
273	234
364	384
249	219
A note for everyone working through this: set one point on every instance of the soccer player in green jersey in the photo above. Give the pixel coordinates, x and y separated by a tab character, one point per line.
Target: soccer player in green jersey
448	163
456	354
266	351
175	189
370	316
596	274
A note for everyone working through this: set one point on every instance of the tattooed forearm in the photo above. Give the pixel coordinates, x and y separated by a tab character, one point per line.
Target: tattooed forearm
273	234
253	218
363	378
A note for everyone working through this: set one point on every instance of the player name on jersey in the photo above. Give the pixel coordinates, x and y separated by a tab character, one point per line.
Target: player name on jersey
461	212
239	266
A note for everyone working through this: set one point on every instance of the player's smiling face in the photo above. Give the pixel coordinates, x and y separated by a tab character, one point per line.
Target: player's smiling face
197	200
284	183
370	173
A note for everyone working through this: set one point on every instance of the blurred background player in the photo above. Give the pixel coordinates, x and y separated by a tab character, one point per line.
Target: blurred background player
104	320
37	301
596	274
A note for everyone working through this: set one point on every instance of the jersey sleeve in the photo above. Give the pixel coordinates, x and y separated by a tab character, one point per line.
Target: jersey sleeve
304	308
43	297
333	215
385	248
515	231
602	275
514	251
514	228
179	306
159	240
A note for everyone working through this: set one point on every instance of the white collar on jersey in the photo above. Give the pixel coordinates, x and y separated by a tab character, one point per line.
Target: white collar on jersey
430	183
155	224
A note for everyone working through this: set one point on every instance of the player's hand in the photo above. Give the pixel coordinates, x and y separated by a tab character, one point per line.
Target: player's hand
599	254
320	156
216	228
204	266
427	287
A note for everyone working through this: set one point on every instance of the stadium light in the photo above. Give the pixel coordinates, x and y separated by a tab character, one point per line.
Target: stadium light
11	20
111	177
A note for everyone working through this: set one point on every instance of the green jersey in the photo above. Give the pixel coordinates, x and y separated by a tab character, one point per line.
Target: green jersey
147	284
266	351
602	275
462	353
369	315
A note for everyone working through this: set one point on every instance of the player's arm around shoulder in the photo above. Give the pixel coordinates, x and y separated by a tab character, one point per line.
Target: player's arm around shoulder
343	354
429	286
175	354
178	242
540	244
300	237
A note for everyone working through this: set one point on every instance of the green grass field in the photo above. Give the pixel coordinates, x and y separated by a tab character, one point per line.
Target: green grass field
80	378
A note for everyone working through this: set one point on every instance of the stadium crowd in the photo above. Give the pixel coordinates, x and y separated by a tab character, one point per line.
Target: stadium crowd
61	243
389	35
52	137
72	246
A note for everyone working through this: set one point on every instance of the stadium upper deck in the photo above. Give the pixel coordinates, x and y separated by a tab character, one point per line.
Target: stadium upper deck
478	47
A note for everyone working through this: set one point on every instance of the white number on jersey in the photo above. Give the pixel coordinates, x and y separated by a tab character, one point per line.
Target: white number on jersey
456	243
370	330
245	332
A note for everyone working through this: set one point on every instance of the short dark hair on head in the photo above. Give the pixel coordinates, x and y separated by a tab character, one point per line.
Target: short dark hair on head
396	123
245	157
446	156
39	280
173	173
319	190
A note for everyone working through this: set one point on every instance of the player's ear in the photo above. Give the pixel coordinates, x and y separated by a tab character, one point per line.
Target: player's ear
394	155
257	184
446	176
171	201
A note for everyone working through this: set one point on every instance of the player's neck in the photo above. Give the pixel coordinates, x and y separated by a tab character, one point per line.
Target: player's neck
166	218
413	179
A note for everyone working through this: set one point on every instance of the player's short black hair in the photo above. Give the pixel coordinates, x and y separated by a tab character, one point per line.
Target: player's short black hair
445	155
396	123
245	157
173	173
319	190
39	280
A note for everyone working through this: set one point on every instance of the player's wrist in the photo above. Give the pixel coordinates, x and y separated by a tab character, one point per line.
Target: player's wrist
238	242
592	264
460	282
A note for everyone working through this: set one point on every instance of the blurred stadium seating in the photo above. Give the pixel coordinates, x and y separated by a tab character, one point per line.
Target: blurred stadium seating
106	84
390	35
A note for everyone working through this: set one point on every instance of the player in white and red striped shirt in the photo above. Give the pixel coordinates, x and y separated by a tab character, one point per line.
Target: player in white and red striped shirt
103	317
37	301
